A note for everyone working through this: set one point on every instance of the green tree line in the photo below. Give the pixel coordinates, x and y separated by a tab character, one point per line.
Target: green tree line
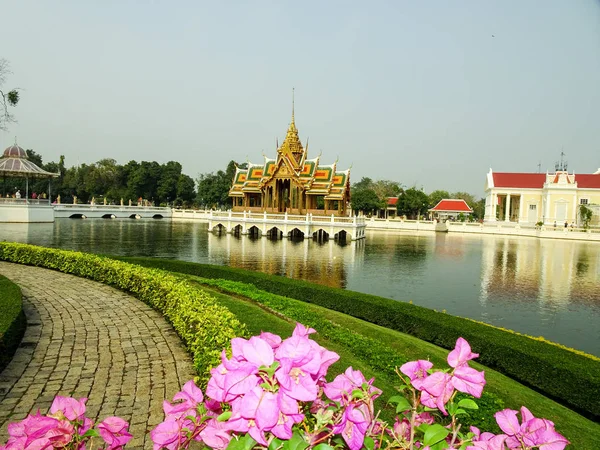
371	196
154	182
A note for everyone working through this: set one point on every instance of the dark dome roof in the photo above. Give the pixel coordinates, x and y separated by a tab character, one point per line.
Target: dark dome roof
15	151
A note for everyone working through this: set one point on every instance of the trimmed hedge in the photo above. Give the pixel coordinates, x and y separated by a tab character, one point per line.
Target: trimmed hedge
204	326
12	320
569	377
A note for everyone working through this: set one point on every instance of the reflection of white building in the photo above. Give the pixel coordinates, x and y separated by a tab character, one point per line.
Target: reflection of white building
540	197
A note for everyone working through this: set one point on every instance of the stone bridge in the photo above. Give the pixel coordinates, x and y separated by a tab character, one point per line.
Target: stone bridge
111	212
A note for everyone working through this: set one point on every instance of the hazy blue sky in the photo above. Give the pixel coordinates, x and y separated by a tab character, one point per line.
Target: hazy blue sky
431	93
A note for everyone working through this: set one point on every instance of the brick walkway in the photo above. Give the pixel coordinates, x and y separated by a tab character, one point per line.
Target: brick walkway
85	339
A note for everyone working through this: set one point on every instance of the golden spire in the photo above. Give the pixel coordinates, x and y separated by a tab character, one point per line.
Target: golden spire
293	89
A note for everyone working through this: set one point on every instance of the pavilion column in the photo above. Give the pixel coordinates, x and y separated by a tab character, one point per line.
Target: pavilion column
521	211
507	212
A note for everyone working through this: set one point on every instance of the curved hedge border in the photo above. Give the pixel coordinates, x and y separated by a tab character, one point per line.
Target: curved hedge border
12	320
204	326
571	378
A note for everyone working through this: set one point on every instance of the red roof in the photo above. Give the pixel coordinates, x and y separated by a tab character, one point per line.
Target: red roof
392	201
537	180
451	205
588	180
519	180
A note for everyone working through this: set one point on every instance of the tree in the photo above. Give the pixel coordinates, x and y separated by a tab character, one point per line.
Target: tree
586	215
7	98
366	200
213	188
412	202
185	188
436	196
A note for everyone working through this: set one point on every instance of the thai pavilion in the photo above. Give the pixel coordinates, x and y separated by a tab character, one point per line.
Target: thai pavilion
292	183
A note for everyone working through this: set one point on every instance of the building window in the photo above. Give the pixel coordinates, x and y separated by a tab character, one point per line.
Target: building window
532	207
583	201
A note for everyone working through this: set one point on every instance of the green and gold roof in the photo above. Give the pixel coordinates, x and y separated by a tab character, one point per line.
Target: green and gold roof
292	162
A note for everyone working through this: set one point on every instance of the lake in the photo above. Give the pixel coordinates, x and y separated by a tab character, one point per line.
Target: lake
534	286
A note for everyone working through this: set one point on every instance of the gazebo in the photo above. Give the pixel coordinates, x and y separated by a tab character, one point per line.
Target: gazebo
15	164
451	208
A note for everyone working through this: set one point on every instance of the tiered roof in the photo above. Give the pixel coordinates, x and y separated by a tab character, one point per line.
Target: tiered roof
292	160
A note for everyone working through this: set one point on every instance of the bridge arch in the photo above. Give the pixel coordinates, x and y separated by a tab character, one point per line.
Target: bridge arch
109	216
254	231
77	216
275	233
158	216
343	236
135	216
296	233
321	235
219	228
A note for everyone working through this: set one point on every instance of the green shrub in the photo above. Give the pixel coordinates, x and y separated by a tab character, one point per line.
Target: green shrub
204	326
12	320
566	376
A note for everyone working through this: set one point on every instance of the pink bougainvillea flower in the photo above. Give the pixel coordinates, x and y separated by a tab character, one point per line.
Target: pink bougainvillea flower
436	391
340	389
468	380
115	432
402	429
302	331
190	393
258	352
260	406
354	425
297	349
296	382
61	435
272	339
416	371
327	358
461	353
167	434
215	435
240	381
69	407
534	432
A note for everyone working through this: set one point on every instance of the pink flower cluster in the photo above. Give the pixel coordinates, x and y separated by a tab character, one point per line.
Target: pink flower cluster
65	427
273	389
530	433
437	388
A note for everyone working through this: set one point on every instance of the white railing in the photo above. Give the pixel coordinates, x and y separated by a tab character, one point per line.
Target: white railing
109	207
24	201
257	216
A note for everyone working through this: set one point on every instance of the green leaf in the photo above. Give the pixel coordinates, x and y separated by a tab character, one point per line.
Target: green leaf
439	446
224	417
403	405
296	442
244	443
467	403
91	433
434	434
323	446
275	444
357	393
369	443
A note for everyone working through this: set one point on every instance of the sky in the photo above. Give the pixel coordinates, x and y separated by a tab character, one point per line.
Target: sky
431	94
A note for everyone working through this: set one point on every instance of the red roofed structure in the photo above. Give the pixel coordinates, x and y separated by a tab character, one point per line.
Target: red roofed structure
451	208
551	198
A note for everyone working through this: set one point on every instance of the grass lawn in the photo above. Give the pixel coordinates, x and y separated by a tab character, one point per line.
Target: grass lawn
583	433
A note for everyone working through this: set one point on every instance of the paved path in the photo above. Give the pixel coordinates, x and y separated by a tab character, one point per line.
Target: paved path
85	339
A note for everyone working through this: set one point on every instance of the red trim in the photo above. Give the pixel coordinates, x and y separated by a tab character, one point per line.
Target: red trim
537	180
392	201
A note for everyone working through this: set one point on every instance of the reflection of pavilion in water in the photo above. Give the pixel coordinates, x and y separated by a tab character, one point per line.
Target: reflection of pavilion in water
552	272
323	263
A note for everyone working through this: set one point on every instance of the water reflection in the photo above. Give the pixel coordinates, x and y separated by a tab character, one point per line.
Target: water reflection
538	287
322	262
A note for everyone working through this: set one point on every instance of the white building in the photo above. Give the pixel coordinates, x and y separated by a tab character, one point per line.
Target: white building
540	197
